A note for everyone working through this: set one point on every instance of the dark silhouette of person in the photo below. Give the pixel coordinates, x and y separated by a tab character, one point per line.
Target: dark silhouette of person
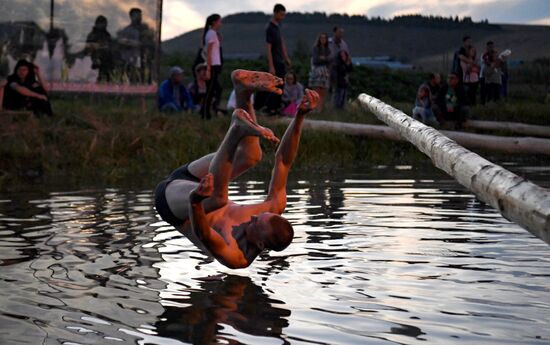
25	90
136	48
99	45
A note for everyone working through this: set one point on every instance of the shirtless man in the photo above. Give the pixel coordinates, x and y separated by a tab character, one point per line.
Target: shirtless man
194	198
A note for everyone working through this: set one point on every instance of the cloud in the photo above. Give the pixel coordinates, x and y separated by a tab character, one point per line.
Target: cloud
179	17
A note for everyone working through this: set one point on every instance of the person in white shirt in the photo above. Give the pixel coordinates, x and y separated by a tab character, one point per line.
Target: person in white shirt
213	57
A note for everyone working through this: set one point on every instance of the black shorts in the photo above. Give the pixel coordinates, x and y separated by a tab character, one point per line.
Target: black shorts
161	204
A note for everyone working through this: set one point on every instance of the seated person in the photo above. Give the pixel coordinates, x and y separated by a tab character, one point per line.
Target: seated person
173	96
197	88
422	110
25	90
452	101
434	84
293	92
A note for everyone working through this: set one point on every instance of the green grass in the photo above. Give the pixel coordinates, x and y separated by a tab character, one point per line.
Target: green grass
100	139
105	140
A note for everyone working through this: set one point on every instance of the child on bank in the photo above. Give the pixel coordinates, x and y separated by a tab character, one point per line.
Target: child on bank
422	110
293	93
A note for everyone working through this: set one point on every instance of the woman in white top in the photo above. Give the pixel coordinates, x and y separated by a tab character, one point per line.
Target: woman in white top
213	56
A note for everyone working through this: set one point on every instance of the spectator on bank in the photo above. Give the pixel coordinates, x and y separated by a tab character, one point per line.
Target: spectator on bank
25	90
99	45
452	101
212	47
470	76
198	88
293	92
434	84
461	55
422	110
173	95
493	77
336	43
343	69
277	58
484	62
504	68
319	74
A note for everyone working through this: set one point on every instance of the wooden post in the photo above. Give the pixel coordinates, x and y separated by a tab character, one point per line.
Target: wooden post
516	198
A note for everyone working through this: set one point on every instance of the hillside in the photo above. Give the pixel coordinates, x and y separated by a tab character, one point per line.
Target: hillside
427	44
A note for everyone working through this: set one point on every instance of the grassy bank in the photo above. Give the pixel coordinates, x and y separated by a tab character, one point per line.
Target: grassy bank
100	139
111	141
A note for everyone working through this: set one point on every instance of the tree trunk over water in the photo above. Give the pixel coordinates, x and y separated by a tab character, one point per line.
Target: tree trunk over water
516	198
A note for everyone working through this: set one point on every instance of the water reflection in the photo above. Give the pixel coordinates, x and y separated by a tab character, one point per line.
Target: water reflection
202	316
408	260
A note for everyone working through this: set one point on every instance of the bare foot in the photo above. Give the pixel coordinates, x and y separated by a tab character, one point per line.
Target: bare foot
256	81
242	121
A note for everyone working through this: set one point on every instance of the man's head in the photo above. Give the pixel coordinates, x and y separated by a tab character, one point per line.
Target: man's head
338	33
490	46
452	80
435	79
135	15
467	41
279	13
176	74
270	231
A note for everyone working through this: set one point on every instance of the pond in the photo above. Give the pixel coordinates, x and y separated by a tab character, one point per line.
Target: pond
393	255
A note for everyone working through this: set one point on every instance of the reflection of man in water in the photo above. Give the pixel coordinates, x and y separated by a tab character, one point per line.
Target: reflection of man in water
136	44
194	198
99	45
234	301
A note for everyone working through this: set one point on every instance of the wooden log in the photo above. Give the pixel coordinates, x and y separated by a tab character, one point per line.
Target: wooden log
513	127
526	145
514	197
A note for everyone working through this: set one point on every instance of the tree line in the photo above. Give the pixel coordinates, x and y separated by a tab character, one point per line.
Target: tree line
346	19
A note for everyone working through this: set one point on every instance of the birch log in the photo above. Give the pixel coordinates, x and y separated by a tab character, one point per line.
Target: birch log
516	198
471	140
513	127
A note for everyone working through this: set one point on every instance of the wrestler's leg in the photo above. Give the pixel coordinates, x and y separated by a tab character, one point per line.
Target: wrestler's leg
249	152
222	164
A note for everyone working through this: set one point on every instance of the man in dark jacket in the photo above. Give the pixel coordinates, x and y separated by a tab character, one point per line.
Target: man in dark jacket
173	96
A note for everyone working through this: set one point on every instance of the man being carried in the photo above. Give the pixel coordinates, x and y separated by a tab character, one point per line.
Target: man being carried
194	198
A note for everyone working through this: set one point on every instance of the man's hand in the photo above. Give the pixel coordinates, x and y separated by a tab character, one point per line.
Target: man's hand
203	190
309	102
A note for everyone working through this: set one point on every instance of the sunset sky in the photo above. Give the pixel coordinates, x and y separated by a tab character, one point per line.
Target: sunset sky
180	16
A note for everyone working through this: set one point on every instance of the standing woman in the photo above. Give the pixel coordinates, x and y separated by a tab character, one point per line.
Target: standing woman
319	75
213	57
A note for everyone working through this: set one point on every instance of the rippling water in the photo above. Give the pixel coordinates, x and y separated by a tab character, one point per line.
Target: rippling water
376	260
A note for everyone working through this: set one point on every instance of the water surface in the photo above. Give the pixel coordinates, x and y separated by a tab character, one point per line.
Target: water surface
393	257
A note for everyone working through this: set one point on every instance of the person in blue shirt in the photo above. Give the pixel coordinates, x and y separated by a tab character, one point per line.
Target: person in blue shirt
173	95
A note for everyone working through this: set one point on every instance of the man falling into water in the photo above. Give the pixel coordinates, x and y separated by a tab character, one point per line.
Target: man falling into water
194	198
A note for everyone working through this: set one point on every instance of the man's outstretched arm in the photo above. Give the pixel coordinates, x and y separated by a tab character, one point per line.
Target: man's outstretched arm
286	153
